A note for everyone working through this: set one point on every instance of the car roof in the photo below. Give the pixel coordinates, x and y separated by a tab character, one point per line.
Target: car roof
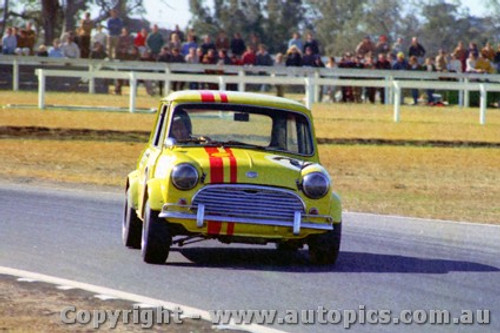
235	97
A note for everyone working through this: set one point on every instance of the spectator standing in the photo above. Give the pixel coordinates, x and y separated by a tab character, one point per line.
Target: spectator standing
496	59
347	91
69	48
397	47
98	51
309	58
237	45
416	49
430	67
382	63
86	26
365	47
222	42
382	46
177	57
115	25
124	45
441	61
454	65
483	65
55	50
207	44
460	52
473	49
192	58
263	58
154	41
22	43
401	64
296	40
175	42
179	33
330	91
293	57
249	58
30	37
42	51
9	42
189	44
471	63
414	66
99	36
279	62
312	43
140	40
488	52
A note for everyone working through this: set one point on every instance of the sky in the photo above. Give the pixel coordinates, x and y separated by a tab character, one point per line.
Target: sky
168	13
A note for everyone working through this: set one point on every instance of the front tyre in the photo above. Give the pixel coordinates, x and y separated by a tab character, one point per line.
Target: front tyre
324	248
156	238
131	226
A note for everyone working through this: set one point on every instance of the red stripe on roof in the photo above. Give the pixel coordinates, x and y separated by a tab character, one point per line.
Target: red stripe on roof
207	96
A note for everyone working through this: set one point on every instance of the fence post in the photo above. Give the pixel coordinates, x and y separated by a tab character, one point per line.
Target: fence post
482	103
387	90
133	90
309	87
461	94
222	83
91	79
466	94
397	101
317	87
41	88
15	75
166	88
241	83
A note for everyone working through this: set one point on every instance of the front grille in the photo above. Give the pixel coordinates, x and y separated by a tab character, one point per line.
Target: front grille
249	201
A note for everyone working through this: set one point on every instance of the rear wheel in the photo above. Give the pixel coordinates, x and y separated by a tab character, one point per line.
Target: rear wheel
131	226
324	248
156	237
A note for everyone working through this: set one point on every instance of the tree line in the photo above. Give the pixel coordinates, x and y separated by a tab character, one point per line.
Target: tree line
338	25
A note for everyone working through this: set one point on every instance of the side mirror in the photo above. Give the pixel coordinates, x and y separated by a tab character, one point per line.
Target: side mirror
169	143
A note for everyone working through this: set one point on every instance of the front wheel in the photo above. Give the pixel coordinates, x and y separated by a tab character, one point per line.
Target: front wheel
156	238
131	226
324	248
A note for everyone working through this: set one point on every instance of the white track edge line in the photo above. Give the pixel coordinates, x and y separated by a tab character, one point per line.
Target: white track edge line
187	310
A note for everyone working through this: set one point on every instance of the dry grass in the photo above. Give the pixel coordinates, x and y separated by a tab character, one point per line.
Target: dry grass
449	183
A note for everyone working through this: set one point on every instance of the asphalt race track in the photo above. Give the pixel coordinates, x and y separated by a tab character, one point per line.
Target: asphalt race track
386	262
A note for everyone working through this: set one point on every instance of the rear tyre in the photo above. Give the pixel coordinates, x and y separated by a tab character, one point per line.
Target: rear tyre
324	248
156	238
132	225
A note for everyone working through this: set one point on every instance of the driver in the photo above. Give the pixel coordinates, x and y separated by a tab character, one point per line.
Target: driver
181	126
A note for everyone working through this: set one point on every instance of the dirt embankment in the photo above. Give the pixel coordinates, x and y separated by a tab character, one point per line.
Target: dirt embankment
34	132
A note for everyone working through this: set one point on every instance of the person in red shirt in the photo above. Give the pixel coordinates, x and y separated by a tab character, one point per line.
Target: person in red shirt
140	40
249	57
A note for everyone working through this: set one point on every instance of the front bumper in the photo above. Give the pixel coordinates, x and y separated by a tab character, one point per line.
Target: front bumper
197	213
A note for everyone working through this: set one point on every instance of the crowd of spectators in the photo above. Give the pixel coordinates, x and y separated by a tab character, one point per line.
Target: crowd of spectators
113	40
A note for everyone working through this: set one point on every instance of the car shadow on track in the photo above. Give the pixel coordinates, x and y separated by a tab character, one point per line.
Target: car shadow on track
348	262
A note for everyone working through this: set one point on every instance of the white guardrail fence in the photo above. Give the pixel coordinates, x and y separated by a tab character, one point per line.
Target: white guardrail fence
311	78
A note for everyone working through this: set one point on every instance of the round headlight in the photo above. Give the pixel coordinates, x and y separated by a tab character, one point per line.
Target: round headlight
315	185
184	176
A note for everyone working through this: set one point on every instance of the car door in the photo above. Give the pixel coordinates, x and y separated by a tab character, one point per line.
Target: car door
151	154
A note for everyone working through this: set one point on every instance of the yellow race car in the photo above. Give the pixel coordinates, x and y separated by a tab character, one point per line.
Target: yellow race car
236	167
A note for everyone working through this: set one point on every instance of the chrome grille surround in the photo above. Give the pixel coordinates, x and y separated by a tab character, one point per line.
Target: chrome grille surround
249	201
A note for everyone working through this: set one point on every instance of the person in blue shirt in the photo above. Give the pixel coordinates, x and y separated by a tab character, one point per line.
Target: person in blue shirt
9	42
55	50
115	25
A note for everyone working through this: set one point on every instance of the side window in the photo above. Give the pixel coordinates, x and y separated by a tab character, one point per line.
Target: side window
160	126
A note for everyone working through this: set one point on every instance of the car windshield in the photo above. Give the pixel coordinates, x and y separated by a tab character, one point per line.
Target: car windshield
241	126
